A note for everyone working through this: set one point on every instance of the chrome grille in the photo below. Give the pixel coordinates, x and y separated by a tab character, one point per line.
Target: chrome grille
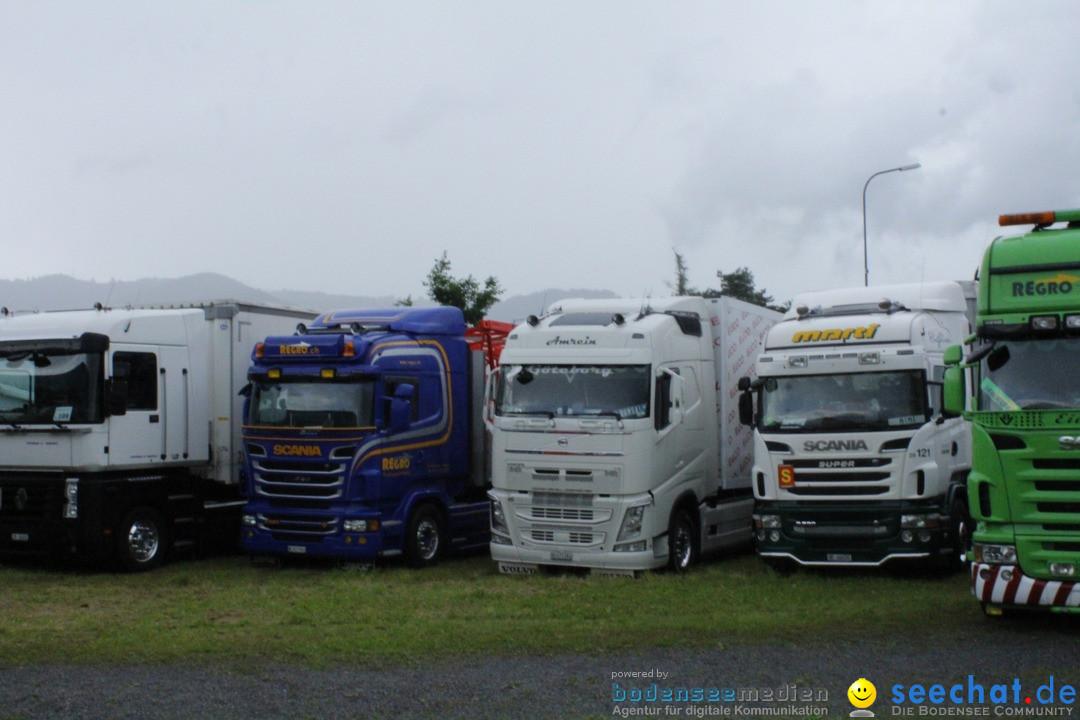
318	482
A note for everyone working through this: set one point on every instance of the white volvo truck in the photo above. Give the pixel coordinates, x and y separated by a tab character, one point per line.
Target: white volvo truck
120	429
616	440
854	461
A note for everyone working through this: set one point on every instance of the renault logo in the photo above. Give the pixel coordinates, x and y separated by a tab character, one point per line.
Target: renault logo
1066	442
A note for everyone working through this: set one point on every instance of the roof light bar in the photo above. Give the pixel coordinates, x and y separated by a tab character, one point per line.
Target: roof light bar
1039	218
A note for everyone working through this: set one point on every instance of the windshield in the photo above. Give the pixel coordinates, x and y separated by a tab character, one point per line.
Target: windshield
278	403
621	391
1030	375
41	387
857	401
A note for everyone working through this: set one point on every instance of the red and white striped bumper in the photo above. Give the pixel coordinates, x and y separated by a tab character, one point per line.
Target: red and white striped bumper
1008	585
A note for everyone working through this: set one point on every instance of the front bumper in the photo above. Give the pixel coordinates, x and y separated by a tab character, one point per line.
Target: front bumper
299	535
517	560
364	546
1008	586
859	535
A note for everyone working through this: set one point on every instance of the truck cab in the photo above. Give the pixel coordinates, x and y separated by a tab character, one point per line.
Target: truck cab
364	438
855	462
608	424
1023	401
120	431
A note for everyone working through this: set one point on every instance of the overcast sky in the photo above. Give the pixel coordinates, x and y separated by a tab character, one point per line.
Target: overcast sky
343	146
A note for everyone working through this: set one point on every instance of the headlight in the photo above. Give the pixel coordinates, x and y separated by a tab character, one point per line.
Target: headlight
631	524
995	554
768	522
498	518
918	522
248	521
638	546
1063	569
360	525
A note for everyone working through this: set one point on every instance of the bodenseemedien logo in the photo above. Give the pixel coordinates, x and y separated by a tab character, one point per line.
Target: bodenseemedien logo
862	695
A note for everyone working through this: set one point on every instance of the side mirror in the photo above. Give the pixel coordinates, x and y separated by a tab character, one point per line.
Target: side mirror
116	395
746	406
744	383
954	354
953	392
400	410
401	407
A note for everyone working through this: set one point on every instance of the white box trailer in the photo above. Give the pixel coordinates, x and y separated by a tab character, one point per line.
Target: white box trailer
616	436
120	428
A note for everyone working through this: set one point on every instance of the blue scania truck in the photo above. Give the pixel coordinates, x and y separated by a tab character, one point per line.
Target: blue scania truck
364	439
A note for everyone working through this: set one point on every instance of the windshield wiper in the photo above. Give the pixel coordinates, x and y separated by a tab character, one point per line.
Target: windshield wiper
605	413
545	413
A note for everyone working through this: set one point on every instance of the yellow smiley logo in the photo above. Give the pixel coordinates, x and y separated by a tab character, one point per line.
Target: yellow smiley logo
862	693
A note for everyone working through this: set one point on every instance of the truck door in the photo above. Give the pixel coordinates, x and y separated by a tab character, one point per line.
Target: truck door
155	427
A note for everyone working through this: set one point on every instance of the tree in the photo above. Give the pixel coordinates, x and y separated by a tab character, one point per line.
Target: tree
737	284
681	283
463	293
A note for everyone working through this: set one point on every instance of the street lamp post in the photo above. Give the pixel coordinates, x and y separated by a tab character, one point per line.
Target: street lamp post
866	265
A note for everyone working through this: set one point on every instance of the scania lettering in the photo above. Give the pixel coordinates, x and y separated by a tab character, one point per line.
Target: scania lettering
833	445
120	429
1023	400
370	442
623	454
854	461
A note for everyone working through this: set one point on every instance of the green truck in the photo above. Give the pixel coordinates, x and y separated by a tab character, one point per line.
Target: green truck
1020	389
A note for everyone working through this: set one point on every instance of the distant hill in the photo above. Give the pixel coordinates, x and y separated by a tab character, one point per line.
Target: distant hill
63	292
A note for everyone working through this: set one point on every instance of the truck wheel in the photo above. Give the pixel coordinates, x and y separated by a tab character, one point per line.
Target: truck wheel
682	550
142	540
960	526
425	538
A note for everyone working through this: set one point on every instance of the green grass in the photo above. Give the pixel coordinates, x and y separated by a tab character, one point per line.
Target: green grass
220	610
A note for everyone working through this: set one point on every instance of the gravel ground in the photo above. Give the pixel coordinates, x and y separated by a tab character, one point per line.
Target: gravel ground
995	652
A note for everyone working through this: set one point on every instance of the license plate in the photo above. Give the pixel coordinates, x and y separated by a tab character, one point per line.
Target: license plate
562	555
839	557
20	537
297	549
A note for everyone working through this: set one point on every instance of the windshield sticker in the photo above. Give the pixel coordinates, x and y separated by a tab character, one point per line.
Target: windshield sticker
62	414
906	420
556	370
997	397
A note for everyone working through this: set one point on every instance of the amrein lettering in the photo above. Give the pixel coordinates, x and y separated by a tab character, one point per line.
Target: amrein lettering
559	340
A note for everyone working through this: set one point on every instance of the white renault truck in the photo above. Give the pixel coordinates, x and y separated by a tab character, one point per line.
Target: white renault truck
616	441
120	428
854	461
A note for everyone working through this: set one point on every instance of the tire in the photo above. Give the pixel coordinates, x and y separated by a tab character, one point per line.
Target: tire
682	541
425	537
960	527
143	540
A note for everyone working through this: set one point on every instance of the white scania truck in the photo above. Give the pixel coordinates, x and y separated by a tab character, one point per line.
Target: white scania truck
616	441
120	429
854	461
